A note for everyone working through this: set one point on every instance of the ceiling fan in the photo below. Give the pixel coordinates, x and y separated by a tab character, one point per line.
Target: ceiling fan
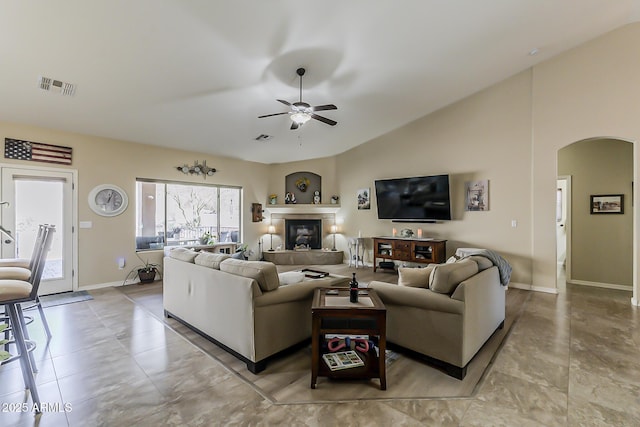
301	112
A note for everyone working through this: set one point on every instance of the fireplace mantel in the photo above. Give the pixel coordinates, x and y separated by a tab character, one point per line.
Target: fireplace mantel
302	209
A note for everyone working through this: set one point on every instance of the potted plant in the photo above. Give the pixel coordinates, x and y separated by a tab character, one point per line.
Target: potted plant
243	251
145	272
207	239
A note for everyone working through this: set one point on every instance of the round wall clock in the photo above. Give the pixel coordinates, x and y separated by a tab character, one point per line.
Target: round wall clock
108	200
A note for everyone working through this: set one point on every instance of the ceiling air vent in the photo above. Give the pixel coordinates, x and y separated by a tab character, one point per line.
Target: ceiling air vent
56	86
262	137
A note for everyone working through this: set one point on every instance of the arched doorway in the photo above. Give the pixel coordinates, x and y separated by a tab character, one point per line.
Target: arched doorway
601	247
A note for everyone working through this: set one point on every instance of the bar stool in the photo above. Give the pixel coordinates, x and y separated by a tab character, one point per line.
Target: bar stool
12	292
22	269
43	244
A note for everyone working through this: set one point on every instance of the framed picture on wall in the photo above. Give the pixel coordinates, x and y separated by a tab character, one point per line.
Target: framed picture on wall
476	195
607	204
364	201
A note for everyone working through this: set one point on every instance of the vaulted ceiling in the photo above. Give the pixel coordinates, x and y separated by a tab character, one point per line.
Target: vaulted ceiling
197	74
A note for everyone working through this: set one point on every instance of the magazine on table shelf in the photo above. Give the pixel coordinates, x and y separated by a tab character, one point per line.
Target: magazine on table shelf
342	360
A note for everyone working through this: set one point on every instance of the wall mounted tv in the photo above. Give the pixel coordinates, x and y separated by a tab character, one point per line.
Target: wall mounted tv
417	199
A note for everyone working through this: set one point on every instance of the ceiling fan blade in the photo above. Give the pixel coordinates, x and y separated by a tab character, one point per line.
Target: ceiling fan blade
324	119
287	103
324	107
294	126
275	114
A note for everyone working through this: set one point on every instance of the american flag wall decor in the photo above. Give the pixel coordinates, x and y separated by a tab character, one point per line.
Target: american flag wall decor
37	151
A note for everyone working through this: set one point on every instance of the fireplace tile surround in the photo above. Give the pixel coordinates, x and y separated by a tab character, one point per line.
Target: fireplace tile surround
324	223
318	254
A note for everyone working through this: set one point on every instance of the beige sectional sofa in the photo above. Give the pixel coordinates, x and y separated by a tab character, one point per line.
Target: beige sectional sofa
239	305
445	312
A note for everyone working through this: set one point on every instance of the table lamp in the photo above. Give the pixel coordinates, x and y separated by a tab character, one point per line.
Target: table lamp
271	231
334	231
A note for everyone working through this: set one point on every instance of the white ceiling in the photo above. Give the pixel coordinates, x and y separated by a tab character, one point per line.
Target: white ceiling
196	74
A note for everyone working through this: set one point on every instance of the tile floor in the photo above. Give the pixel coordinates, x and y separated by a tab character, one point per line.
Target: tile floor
571	359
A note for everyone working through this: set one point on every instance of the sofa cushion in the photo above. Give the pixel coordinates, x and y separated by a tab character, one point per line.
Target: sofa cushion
210	259
446	277
265	273
483	262
290	277
414	277
183	254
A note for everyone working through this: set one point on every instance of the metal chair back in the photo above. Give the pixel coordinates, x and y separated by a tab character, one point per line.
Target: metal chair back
43	247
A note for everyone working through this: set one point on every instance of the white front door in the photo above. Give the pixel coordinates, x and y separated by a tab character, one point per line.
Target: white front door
40	196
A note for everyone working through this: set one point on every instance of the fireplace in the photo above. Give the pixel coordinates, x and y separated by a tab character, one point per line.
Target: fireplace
303	234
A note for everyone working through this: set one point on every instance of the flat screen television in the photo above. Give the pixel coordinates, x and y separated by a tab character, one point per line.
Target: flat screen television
416	199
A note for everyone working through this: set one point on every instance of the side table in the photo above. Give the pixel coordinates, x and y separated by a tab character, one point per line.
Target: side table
332	313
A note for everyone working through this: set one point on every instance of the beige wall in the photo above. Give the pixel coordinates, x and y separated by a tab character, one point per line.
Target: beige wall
100	161
602	245
325	167
486	136
509	134
591	91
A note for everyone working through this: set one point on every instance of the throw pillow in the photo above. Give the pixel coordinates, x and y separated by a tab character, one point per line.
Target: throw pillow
265	273
183	254
446	277
414	277
238	255
210	259
290	277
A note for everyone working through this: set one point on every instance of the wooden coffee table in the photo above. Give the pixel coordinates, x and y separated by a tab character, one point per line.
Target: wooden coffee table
332	313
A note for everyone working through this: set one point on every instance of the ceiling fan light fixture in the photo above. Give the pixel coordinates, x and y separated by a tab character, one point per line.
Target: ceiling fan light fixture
300	117
301	112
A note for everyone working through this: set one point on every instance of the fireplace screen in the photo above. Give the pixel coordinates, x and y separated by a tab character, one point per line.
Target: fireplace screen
303	234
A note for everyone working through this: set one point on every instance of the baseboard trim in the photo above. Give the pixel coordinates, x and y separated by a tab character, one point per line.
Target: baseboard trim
526	287
635	301
601	285
107	285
